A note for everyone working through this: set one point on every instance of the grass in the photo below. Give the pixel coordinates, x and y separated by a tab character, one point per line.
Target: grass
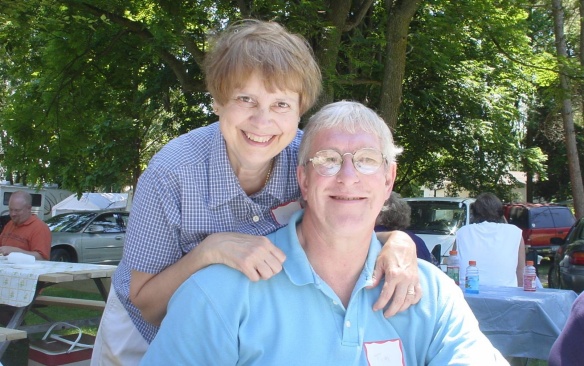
17	352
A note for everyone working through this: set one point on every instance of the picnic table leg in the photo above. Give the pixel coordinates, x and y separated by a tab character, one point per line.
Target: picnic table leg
101	288
14	323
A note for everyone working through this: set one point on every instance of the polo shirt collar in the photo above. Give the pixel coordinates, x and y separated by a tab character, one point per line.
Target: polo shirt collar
27	222
297	266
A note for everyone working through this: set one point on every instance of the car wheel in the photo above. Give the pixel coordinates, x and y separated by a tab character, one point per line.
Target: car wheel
60	255
554	277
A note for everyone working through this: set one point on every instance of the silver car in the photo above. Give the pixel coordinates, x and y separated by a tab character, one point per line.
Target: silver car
88	236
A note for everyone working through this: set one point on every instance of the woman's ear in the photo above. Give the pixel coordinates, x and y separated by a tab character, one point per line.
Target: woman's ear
216	108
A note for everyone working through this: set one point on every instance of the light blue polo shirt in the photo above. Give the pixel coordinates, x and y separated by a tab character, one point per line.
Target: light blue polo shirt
219	317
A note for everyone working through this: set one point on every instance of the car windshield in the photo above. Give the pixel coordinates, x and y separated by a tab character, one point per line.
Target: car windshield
69	223
436	217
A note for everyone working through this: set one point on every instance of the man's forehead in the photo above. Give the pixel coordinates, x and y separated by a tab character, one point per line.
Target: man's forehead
17	201
337	138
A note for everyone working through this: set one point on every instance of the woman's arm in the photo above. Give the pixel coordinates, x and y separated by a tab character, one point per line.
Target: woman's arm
398	264
254	256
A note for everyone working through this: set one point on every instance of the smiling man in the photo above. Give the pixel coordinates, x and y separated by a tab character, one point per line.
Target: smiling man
317	311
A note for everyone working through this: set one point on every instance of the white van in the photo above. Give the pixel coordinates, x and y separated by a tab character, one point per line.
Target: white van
43	199
436	220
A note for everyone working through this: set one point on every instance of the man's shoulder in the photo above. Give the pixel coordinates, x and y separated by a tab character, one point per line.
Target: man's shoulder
33	220
218	279
428	269
37	222
227	291
435	283
9	224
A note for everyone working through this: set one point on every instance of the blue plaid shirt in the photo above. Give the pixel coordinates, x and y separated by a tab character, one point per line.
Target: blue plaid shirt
189	191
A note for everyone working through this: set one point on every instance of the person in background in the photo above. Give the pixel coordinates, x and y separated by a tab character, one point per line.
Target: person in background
210	196
25	232
396	215
317	311
497	247
567	349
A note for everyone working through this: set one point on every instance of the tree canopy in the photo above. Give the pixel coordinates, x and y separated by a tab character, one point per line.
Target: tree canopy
92	89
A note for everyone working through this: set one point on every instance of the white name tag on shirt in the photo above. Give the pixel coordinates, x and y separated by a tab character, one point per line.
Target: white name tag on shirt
283	212
384	353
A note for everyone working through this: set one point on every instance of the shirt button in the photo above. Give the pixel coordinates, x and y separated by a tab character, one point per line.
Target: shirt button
256	218
348	324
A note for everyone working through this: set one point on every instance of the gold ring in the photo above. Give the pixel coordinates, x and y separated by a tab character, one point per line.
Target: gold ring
411	292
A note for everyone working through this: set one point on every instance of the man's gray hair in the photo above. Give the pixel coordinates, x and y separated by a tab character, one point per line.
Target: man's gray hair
351	117
24	196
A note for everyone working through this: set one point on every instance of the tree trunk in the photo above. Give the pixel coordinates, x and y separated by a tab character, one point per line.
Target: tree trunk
581	88
401	13
328	48
567	113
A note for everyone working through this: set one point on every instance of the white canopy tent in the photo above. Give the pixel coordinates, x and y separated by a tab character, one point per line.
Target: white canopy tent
91	202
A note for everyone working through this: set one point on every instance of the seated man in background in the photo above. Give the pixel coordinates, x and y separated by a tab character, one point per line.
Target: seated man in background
318	310
396	215
25	232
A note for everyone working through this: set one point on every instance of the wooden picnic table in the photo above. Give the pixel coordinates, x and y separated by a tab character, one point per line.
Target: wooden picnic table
21	286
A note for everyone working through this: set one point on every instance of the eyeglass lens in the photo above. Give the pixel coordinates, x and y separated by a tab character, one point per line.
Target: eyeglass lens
329	162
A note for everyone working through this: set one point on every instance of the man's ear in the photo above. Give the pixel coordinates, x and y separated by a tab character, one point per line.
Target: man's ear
302	177
390	174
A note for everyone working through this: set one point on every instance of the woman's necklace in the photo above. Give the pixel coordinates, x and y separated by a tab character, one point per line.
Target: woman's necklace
269	173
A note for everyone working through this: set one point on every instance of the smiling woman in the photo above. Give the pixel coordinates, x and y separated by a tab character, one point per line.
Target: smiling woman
257	125
212	193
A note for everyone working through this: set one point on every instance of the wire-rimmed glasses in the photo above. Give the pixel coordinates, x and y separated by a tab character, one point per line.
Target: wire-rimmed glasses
328	162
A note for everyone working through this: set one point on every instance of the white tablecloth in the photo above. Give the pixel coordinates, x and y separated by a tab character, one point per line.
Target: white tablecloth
18	281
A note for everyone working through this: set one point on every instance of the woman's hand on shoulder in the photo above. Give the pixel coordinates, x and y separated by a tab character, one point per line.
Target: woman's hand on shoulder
254	256
397	264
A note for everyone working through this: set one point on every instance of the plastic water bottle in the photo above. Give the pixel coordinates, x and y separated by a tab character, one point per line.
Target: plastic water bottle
472	278
529	277
453	267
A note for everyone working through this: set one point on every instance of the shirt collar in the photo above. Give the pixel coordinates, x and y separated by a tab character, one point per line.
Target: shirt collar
220	171
297	266
27	222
